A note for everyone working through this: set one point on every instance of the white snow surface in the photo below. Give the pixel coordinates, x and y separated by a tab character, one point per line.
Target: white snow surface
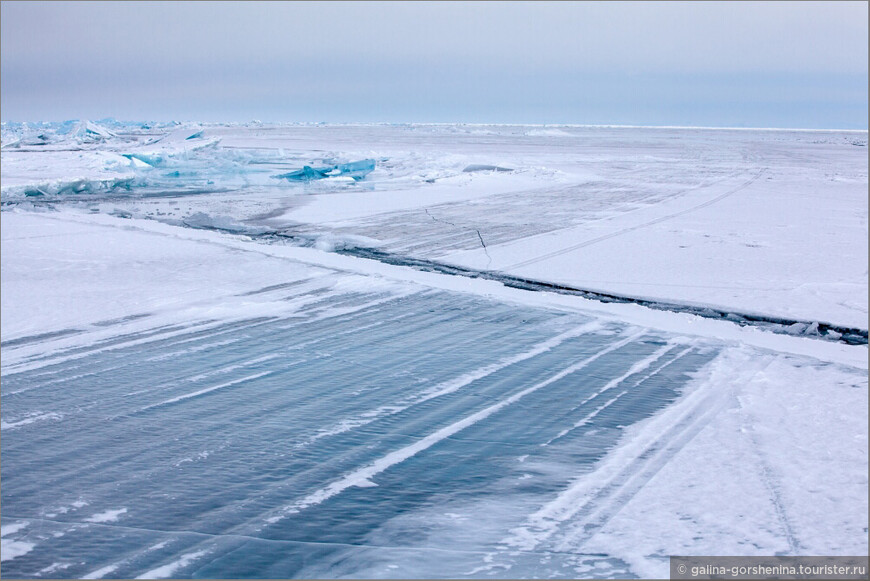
765	451
768	222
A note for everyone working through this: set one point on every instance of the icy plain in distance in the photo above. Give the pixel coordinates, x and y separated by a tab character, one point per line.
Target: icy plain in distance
200	379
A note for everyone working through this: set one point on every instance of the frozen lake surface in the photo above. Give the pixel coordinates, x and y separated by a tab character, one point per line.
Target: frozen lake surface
196	384
325	444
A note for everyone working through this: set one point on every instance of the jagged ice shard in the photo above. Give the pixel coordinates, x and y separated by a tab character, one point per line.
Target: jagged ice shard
356	170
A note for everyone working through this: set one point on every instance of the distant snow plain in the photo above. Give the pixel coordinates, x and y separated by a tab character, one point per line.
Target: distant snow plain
201	379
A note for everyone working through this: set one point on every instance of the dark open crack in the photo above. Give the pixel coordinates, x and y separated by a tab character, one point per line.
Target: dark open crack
780	325
482	243
437	219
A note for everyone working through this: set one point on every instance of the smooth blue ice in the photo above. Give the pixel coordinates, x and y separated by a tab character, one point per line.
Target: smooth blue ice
204	445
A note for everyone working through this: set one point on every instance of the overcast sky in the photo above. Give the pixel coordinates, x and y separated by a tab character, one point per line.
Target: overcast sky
745	64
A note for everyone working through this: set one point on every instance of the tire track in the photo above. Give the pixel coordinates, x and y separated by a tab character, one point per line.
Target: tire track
578	513
653	222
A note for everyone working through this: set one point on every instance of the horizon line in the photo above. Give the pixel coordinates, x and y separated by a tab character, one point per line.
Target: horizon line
454	123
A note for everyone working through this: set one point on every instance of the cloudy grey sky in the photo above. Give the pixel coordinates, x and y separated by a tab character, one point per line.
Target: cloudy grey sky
745	64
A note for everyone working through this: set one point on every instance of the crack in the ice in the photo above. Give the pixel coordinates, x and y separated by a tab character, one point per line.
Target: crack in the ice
437	219
811	329
482	243
774	324
477	230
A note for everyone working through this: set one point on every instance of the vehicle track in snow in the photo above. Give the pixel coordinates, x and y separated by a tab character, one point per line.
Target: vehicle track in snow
585	507
646	224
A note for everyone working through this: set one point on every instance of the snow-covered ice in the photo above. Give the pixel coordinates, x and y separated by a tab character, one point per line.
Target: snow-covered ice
201	379
692	215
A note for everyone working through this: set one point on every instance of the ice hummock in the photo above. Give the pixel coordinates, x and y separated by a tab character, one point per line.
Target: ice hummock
89	131
482	167
355	169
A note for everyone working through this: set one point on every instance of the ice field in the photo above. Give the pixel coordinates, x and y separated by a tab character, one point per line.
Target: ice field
211	372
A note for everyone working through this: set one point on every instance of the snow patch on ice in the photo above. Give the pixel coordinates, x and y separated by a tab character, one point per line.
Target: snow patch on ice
30	418
170	569
101	572
106	516
12	548
206	390
12	529
54	567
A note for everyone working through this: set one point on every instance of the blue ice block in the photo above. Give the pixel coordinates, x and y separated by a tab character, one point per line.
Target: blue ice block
355	169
